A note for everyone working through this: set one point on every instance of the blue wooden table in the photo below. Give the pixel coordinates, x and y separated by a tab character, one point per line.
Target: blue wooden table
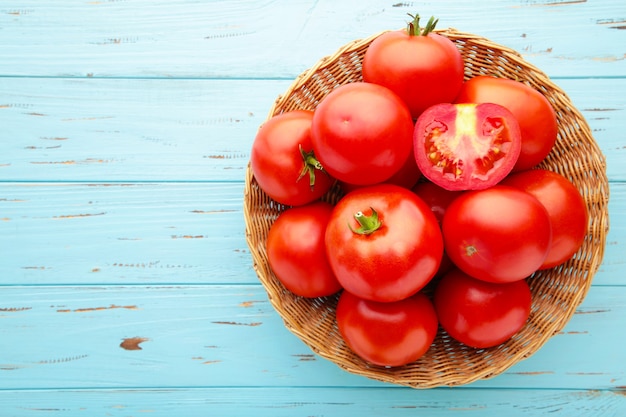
126	285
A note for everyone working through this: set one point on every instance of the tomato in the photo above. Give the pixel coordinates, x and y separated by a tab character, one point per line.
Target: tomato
387	334
533	111
565	205
296	250
438	199
383	242
362	133
501	234
283	162
422	67
466	146
481	314
408	175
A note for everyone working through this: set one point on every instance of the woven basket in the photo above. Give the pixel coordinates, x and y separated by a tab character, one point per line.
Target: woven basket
556	292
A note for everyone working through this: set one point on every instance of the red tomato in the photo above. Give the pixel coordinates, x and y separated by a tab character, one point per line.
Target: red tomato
532	110
438	199
297	253
466	146
481	314
362	133
406	177
383	243
422	67
387	334
501	234
283	162
565	205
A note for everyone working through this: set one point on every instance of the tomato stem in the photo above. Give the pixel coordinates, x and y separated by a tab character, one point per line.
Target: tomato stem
368	224
413	27
311	164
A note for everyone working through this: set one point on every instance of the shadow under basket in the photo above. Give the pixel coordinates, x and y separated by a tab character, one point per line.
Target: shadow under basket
556	292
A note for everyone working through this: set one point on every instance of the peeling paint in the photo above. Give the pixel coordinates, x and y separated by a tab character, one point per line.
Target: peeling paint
305	357
533	373
133	343
75	216
188	237
61	360
85	310
233	323
212	211
14	309
591	311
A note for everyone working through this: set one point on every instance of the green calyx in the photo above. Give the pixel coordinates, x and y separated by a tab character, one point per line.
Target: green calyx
311	165
413	27
367	224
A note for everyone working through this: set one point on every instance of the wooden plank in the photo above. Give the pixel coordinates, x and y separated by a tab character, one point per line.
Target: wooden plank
159	233
188	130
123	129
306	402
126	233
281	38
97	337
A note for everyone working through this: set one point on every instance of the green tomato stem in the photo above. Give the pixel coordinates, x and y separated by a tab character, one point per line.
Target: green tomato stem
413	27
311	164
368	224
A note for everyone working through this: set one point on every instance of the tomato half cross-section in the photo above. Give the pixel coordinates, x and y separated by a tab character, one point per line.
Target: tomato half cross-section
533	111
466	146
383	243
501	234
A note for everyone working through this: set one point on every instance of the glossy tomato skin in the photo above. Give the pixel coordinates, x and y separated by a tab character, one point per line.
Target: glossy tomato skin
466	146
481	314
408	175
277	163
387	334
501	234
565	205
438	199
422	70
297	252
362	133
533	111
394	261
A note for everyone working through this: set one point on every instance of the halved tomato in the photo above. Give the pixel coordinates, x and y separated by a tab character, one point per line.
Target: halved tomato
466	146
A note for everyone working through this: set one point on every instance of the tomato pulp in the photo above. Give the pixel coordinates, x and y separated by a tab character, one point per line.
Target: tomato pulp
533	111
466	146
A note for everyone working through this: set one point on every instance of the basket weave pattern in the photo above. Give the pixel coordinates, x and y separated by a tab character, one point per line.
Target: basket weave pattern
556	292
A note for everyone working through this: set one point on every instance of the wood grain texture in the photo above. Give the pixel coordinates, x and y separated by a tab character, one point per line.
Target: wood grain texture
314	401
270	39
160	233
68	337
189	130
126	286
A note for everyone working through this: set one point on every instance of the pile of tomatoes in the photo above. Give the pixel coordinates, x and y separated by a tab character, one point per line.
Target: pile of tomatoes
441	191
